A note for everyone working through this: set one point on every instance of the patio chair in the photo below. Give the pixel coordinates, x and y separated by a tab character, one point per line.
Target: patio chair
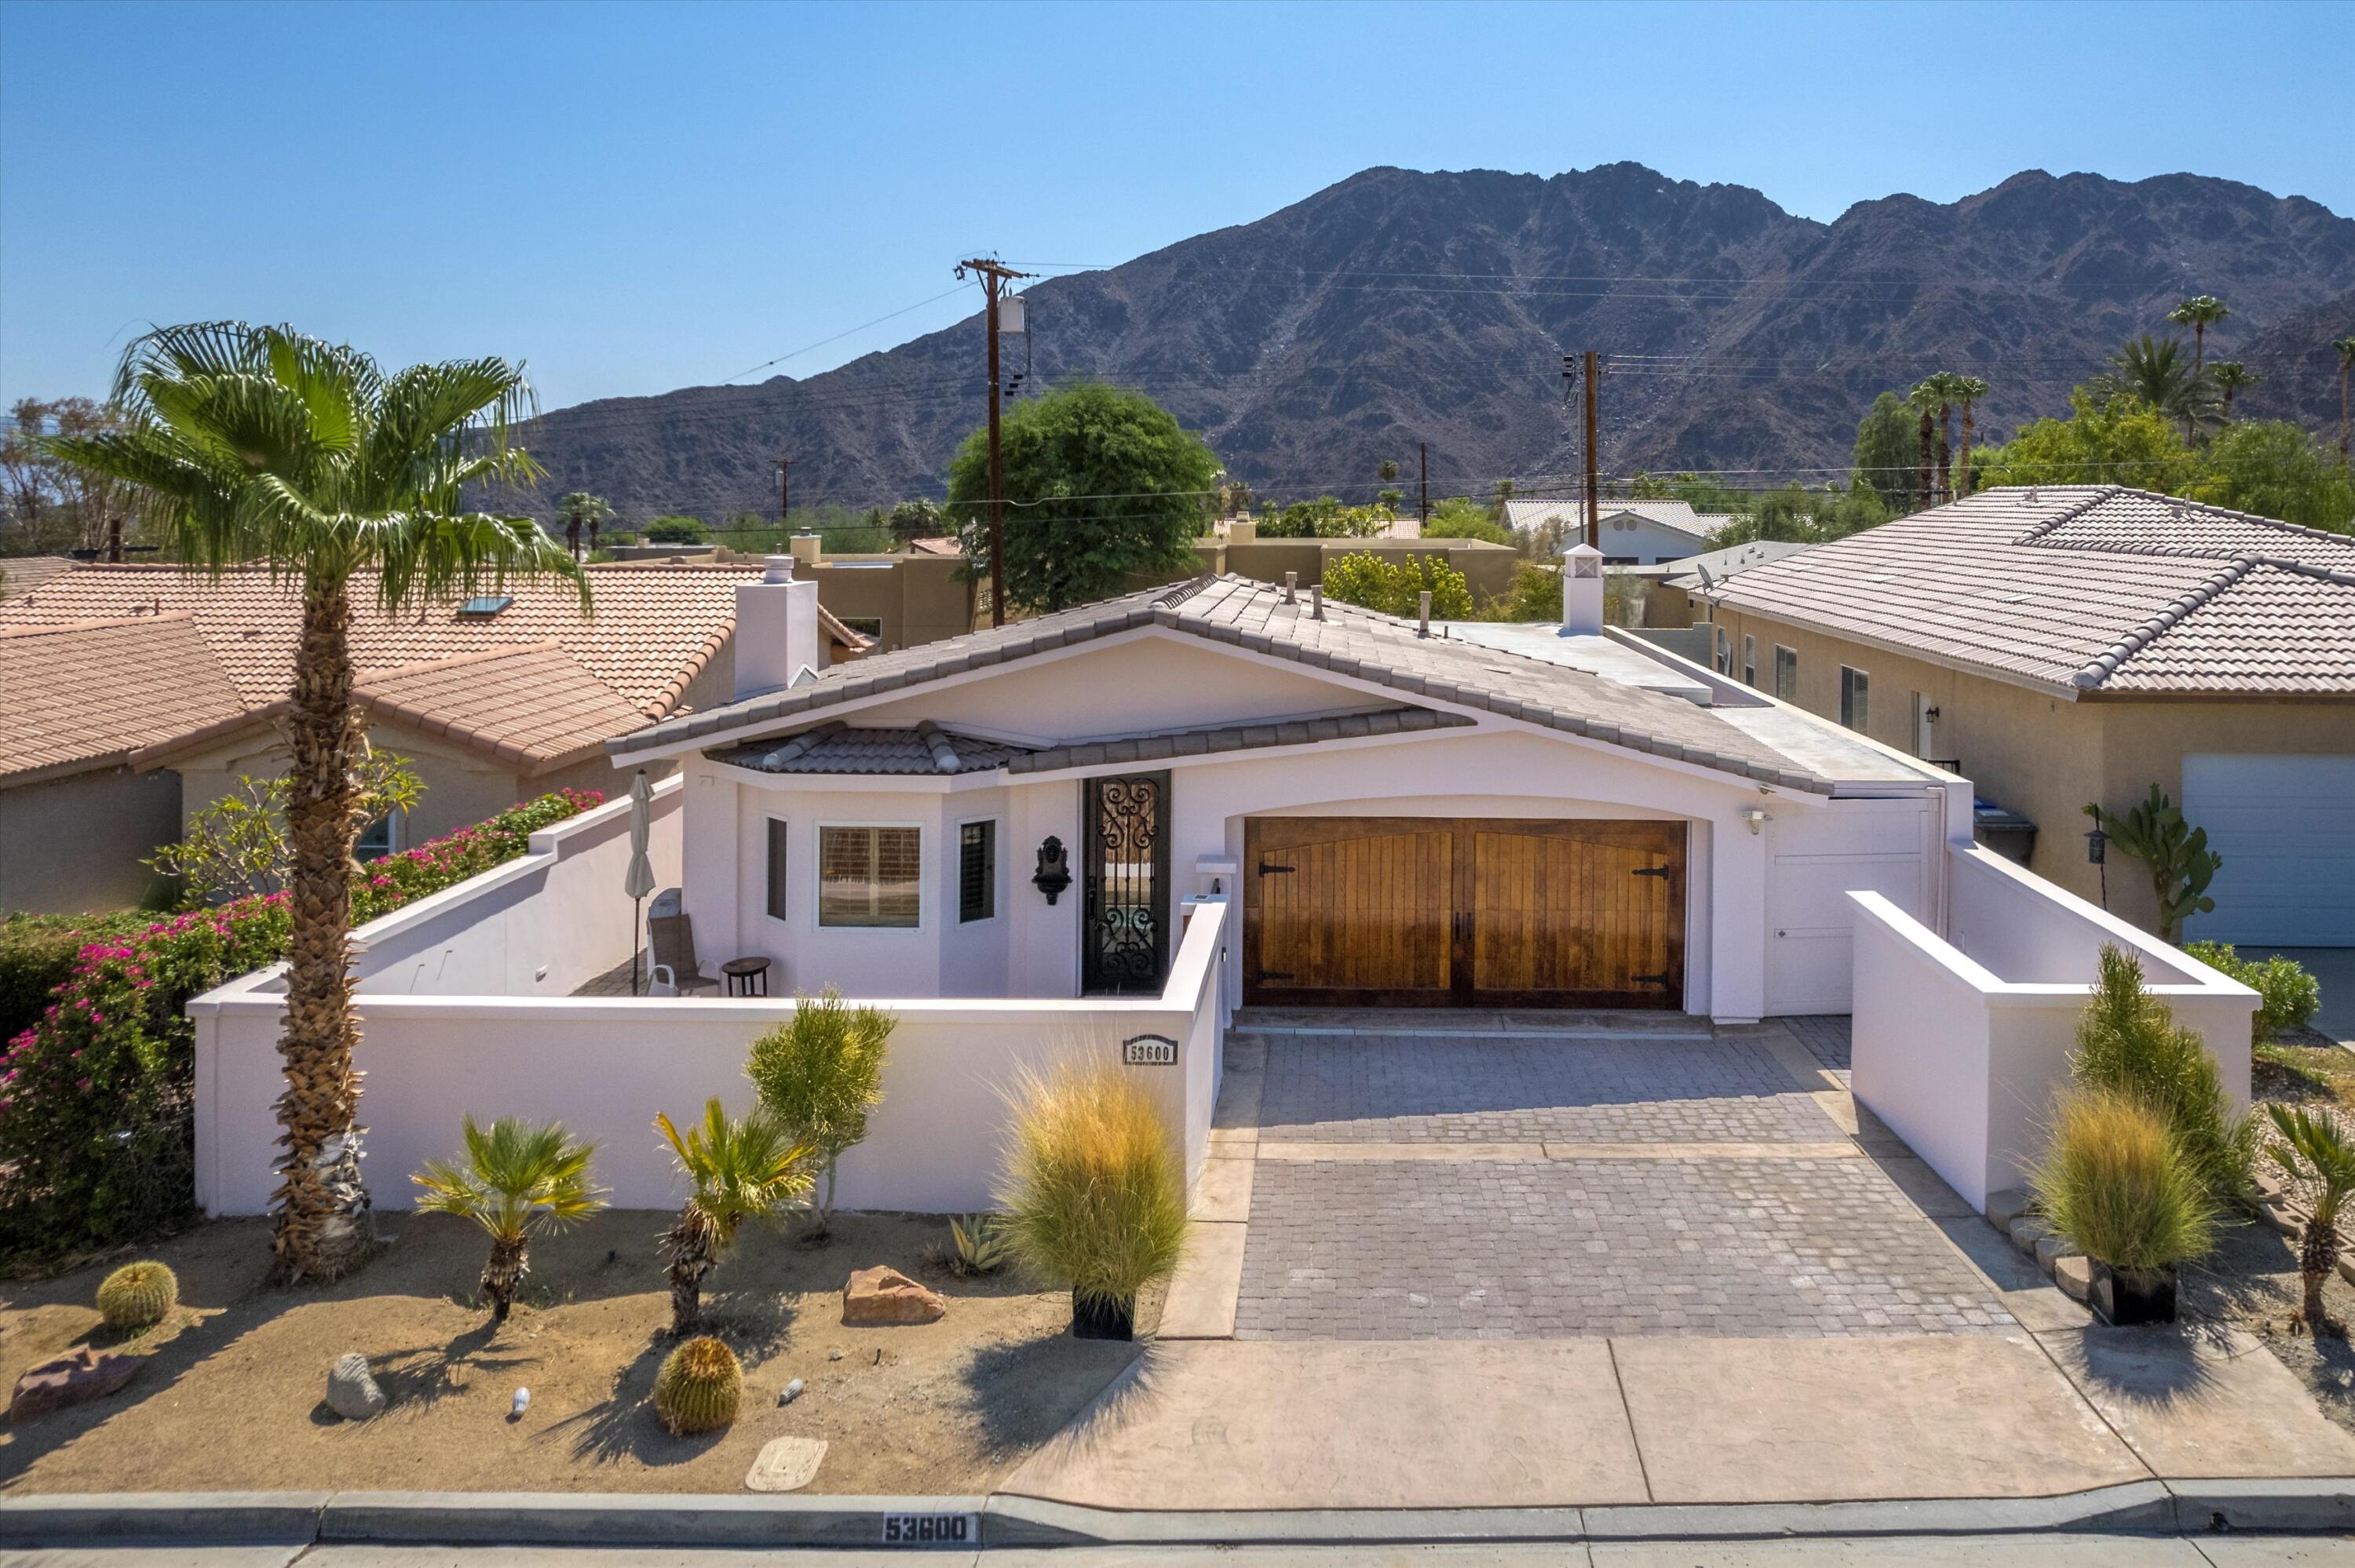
670	935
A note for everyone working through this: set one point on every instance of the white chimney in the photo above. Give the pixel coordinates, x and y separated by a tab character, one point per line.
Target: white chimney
776	631
1581	591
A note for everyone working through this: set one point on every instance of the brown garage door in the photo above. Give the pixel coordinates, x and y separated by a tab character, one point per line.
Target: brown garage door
1425	911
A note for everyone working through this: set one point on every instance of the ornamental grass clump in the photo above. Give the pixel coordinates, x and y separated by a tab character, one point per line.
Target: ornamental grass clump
1095	1191
137	1297
2128	1042
2117	1183
699	1387
515	1178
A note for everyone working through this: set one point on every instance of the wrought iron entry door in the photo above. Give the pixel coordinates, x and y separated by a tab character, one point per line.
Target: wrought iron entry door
1124	933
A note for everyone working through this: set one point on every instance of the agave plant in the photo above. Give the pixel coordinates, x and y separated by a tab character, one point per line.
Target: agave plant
743	1169
2318	1154
514	1179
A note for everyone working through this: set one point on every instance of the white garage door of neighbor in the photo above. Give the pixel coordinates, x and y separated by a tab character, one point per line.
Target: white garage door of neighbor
1814	859
2285	827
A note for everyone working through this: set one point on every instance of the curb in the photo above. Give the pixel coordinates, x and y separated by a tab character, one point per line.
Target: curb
540	1519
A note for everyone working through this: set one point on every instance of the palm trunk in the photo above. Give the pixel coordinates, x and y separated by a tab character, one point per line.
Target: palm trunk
510	1261
691	1249
1945	450
2342	413
1966	447
1927	433
324	1227
2318	1256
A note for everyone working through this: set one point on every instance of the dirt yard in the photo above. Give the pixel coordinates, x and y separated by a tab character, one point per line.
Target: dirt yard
232	1397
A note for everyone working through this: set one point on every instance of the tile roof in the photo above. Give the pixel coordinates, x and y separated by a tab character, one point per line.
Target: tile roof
78	695
534	707
835	747
1677	514
1349	642
2084	589
653	630
20	574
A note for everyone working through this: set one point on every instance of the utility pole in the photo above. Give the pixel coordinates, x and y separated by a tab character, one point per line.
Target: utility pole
995	276
784	496
1594	502
1422	449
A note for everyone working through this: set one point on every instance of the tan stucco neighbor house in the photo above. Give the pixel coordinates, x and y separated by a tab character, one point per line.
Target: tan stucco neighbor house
2070	644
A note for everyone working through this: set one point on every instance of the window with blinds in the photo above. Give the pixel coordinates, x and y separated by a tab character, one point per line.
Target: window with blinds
870	877
776	868
976	871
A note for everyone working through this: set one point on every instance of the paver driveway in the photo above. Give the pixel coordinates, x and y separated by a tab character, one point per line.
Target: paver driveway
1416	1182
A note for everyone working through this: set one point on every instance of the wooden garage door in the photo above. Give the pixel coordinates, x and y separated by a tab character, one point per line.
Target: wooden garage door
1408	911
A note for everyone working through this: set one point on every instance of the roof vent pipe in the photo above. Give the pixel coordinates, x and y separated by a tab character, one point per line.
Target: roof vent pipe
1292	587
1315	602
1425	598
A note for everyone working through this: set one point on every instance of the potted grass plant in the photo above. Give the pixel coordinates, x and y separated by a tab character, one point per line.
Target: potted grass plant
2117	1183
1094	1192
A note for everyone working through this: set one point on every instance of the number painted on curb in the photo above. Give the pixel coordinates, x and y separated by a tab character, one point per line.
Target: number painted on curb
932	1529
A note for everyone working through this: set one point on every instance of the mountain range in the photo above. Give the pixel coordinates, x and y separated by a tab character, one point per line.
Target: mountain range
1397	308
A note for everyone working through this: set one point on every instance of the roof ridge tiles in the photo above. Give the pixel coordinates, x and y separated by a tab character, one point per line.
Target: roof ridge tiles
2070	513
2106	665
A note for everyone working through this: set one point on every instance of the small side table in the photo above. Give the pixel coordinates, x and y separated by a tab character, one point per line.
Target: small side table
745	974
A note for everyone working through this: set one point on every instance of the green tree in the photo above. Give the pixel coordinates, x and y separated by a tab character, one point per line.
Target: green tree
2199	312
919	519
1883	453
1103	486
1460	518
1926	398
2230	376
820	1075
1395	588
2274	469
2346	347
676	530
579	509
238	845
246	443
515	1178
1502	496
2115	441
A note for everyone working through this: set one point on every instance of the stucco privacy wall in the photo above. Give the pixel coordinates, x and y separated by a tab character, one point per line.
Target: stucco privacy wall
604	1066
1960	1044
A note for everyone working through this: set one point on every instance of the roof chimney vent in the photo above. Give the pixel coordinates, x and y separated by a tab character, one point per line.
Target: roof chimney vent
1581	591
776	640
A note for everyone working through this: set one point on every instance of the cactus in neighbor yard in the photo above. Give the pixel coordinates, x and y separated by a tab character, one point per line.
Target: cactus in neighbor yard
137	1295
2181	864
699	1387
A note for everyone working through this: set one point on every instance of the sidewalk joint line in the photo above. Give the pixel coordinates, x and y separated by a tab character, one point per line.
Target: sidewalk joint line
1635	1438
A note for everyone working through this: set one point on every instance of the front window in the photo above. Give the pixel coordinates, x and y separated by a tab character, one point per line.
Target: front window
1786	674
976	871
379	839
870	876
1750	662
1855	692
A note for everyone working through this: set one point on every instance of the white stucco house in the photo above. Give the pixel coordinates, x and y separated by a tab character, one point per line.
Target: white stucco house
1632	532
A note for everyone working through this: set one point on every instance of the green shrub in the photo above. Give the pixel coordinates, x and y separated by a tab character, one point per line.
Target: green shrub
138	1296
1534	594
37	953
2117	1182
677	531
820	1075
699	1387
2287	995
2128	1042
1394	586
1095	1191
1460	518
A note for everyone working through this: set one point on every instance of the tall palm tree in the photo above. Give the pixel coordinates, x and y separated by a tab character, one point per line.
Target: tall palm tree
2318	1154
580	510
743	1170
1968	390
2346	347
260	444
2152	369
2230	376
1925	396
2199	313
515	1178
1949	387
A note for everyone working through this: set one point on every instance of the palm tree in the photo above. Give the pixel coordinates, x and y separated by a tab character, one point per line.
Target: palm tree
1504	494
579	509
515	1178
743	1170
1949	388
244	444
2230	376
2346	347
2199	313
1925	396
2318	1154
1968	390
2152	369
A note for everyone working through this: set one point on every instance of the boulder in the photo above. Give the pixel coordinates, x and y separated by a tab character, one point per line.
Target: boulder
71	1379
352	1392
879	1295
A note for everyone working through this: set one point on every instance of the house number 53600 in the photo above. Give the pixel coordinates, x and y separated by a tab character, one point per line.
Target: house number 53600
932	1529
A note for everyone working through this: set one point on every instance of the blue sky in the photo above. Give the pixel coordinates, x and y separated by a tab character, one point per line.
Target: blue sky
633	199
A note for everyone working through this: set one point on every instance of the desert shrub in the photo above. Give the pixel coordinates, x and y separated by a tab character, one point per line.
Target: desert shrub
699	1387
677	531
1095	1190
1366	579
821	1074
743	1169
1534	594
2128	1042
137	1295
96	1095
2118	1184
1460	518
238	845
2287	995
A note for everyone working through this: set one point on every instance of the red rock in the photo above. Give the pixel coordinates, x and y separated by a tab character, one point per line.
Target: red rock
71	1380
887	1295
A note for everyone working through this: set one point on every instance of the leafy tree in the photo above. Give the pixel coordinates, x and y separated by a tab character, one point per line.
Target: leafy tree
1883	453
1534	594
246	443
2230	376
1460	518
1502	496
743	1169
238	845
1395	588
2119	439
2199	313
1390	501
919	519
515	1178
51	506
1924	398
1103	486
676	530
2152	370
820	1075
580	510
2274	469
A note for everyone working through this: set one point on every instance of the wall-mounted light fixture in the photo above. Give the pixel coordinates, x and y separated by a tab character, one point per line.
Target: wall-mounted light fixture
2097	845
1054	873
1931	713
1756	818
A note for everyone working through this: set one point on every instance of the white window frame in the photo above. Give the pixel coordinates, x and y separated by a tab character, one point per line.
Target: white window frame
997	869
817	880
396	836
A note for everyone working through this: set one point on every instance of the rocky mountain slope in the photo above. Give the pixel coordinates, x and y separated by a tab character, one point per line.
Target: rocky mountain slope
1399	307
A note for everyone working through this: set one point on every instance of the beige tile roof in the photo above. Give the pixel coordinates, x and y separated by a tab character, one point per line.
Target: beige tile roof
80	695
20	574
1349	642
653	630
534	707
2084	589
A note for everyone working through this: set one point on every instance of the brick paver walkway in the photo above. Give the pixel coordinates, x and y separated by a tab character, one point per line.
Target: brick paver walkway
1453	1242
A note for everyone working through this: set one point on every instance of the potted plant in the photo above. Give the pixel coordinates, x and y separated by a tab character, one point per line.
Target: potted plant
1094	1192
2117	1182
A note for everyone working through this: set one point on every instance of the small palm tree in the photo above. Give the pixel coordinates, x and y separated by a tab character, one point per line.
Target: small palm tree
2230	376
580	510
1925	396
2152	369
743	1169
2318	1154
1968	390
2346	347
515	1178
2199	312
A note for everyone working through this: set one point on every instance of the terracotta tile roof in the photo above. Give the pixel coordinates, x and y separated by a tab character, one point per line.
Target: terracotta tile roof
533	706
20	574
653	630
1349	642
81	694
2083	589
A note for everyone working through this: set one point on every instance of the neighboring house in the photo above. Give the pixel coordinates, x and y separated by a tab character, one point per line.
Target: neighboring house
496	699
1632	532
878	601
20	574
1670	588
1596	826
2066	645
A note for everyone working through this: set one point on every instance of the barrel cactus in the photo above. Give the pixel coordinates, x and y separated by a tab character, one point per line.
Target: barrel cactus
699	1387
137	1295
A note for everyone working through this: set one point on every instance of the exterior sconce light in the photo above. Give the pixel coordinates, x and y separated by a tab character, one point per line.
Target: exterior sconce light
1756	818
2097	844
1054	873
